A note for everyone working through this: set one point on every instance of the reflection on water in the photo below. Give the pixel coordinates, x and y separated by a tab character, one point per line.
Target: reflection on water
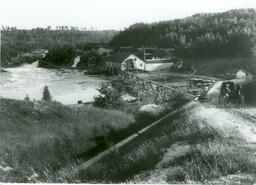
66	85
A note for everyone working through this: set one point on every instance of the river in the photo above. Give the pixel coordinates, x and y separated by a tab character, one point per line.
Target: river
65	85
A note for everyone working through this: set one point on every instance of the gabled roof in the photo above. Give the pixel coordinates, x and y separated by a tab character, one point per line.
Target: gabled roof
242	70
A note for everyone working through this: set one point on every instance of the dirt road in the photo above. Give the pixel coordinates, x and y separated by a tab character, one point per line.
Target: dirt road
233	122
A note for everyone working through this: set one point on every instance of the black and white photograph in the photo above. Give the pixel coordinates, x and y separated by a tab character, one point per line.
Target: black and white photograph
128	92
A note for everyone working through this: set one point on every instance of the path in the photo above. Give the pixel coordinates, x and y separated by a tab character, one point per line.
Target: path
241	121
233	122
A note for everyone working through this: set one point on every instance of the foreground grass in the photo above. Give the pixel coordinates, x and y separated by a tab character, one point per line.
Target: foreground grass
37	138
190	150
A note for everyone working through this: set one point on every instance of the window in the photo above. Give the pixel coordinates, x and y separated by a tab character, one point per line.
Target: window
140	64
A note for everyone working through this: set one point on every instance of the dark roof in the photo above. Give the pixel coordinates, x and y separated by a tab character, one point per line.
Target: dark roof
116	57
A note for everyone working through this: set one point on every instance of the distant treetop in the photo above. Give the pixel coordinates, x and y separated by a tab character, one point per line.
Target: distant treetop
231	33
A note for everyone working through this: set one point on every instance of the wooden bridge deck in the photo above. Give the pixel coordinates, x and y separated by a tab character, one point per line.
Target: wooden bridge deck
159	91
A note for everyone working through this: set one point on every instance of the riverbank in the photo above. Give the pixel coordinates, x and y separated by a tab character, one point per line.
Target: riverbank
67	86
191	146
41	136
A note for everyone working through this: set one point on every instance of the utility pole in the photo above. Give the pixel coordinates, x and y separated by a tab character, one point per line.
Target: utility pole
158	75
139	94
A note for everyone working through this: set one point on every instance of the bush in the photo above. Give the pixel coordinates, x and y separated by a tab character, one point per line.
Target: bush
27	98
109	97
46	94
177	100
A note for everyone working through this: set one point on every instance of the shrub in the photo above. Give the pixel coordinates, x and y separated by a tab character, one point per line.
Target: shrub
109	97
177	100
46	94
27	98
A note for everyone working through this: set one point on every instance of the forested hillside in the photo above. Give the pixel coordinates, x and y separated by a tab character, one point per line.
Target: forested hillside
15	41
232	33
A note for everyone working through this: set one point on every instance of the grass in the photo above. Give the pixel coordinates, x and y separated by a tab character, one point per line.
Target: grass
207	153
36	137
219	66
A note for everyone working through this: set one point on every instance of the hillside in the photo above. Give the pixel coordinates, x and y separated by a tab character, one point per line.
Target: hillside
39	137
231	33
192	146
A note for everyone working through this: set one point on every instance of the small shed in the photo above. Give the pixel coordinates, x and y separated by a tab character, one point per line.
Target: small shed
244	75
241	74
104	51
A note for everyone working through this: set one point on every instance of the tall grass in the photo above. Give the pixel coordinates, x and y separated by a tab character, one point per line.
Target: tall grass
211	154
43	136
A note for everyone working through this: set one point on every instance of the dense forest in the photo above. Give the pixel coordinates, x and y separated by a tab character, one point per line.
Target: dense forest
15	41
232	33
227	34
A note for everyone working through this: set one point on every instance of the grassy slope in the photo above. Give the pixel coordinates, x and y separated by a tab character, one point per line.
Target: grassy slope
39	137
219	66
183	148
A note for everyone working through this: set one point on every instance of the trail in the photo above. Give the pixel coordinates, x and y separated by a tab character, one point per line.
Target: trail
233	122
241	121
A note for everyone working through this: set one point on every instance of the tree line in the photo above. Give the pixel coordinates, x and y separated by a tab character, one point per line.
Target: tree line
15	41
231	33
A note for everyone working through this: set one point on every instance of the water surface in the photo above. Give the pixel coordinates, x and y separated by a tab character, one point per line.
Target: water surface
66	85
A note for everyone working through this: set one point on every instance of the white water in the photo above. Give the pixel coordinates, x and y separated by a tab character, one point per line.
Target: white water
76	61
66	85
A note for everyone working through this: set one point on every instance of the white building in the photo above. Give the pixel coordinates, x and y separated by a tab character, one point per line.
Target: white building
158	64
104	51
242	75
134	62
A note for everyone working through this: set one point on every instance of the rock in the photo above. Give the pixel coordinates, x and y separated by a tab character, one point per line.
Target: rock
2	70
152	108
128	98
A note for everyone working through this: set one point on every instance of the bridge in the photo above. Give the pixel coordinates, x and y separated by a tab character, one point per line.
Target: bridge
159	91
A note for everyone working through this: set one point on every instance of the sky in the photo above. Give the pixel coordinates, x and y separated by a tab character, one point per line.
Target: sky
106	14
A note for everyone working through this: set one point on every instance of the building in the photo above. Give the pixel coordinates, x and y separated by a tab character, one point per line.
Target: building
243	75
125	61
133	62
113	62
156	64
104	51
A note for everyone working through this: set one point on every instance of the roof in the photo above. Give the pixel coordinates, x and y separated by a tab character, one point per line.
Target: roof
241	70
116	57
163	60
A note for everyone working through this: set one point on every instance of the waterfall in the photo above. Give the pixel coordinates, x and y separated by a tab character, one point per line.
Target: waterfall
76	61
32	65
